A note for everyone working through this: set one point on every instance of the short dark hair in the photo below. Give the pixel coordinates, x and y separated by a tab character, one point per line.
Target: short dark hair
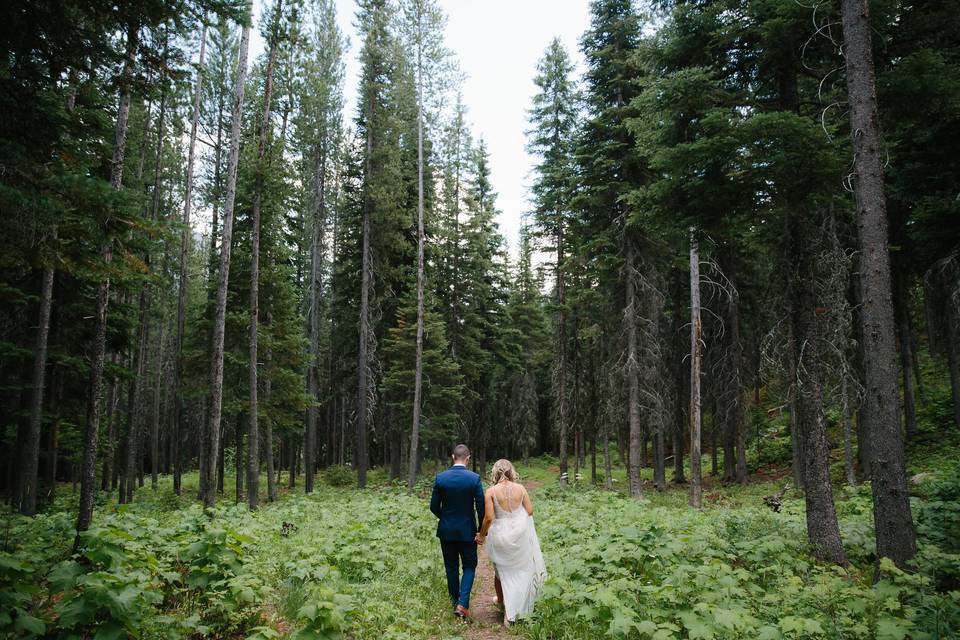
461	452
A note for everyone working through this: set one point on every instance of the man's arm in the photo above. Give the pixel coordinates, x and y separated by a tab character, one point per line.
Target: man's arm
479	501
435	502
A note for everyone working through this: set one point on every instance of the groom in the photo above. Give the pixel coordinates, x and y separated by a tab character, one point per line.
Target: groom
457	492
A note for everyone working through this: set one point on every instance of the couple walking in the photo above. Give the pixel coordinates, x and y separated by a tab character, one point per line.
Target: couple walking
505	514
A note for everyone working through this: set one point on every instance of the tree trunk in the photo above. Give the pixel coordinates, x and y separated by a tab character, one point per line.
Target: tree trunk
847	434
695	332
822	528
712	402
238	459
659	459
113	411
679	424
633	375
737	418
253	435
313	373
88	473
268	434
31	454
138	419
901	305
361	454
223	276
593	456
560	372
54	442
155	416
892	518
184	275
421	276
953	356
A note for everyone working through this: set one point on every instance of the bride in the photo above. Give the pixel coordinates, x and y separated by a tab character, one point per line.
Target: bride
513	546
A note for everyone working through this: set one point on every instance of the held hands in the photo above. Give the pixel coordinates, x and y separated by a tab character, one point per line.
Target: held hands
480	538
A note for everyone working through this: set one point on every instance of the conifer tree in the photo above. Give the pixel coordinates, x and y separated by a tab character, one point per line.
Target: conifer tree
318	134
553	120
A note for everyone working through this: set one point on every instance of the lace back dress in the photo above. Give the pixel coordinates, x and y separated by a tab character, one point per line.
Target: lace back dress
514	548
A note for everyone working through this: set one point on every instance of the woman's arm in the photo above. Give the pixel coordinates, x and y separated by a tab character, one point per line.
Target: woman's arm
488	515
527	504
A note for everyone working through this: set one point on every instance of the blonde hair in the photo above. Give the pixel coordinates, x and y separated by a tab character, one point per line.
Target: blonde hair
503	468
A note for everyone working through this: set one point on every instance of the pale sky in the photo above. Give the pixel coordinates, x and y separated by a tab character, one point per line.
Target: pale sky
497	44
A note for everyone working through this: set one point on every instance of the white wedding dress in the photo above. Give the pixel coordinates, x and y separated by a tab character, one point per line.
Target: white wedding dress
514	549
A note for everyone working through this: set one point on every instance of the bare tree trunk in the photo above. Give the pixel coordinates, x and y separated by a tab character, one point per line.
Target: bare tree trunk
363	362
891	506
88	474
633	377
560	371
184	275
421	276
31	454
695	331
223	276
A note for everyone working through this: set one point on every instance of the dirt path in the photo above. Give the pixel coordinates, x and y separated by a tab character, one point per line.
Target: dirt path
487	622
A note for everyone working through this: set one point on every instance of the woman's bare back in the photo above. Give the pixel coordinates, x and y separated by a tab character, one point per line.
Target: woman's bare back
511	495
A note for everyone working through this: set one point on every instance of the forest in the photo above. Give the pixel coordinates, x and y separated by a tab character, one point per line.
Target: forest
244	320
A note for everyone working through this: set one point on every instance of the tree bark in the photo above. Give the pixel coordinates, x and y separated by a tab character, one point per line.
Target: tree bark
253	435
54	442
680	381
695	331
318	220
155	415
363	361
223	276
953	356
823	530
738	426
88	473
561	359
31	455
847	434
268	433
901	305
184	275
138	418
421	276
892	518
633	376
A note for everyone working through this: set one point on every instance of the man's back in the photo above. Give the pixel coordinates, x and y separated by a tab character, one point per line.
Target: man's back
457	495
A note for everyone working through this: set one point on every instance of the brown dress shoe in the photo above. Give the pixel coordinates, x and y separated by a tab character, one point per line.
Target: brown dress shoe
461	612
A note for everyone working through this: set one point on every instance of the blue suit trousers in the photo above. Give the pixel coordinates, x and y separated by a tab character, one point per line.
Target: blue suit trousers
455	553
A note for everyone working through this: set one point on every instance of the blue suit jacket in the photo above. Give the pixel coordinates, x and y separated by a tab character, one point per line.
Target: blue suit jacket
457	493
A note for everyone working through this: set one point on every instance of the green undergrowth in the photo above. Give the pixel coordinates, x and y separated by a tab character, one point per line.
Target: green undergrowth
341	563
652	569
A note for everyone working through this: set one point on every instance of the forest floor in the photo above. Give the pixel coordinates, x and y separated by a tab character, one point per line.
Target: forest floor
365	565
